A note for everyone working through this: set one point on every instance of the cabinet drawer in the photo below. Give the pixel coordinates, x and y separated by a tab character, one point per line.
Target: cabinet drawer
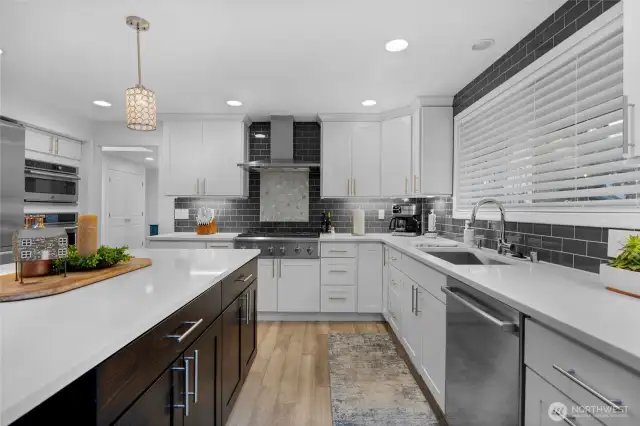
564	363
123	376
220	244
339	250
238	281
539	397
338	299
338	271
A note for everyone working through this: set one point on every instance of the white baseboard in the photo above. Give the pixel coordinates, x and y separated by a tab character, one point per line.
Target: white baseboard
318	316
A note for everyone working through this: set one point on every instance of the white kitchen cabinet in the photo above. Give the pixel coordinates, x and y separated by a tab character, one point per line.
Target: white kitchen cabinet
336	159
396	156
411	327
338	298
431	321
221	154
68	149
394	307
200	158
181	159
220	245
370	276
350	159
299	285
53	145
339	271
39	142
163	244
432	156
267	285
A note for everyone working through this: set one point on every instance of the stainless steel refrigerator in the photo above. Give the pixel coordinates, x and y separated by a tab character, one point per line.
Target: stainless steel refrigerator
12	145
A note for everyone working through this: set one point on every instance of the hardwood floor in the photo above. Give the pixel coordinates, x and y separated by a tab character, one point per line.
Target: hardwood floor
289	381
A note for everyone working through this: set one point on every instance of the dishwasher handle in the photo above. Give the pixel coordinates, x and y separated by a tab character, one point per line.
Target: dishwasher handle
506	326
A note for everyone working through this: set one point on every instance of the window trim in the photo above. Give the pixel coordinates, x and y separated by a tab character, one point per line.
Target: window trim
589	35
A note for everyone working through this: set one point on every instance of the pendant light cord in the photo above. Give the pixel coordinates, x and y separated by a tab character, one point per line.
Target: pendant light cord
139	61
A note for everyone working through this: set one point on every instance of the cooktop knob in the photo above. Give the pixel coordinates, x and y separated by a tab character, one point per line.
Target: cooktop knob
270	249
309	249
282	249
297	249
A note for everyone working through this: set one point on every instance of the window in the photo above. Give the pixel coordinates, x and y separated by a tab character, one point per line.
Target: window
555	141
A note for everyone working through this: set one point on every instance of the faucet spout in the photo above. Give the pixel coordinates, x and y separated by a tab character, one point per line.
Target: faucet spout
502	242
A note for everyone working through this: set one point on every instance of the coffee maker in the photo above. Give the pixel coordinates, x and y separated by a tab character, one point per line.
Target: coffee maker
406	220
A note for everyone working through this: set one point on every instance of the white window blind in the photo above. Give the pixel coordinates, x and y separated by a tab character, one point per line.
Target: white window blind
556	142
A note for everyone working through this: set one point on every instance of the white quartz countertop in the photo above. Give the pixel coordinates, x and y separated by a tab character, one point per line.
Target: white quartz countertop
570	301
192	236
49	342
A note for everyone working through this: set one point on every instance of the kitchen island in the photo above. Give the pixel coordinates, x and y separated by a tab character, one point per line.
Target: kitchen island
111	351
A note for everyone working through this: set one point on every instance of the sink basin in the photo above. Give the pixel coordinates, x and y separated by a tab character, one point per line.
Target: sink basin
464	258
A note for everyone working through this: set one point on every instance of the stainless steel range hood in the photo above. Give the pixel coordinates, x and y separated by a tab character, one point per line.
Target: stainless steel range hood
281	148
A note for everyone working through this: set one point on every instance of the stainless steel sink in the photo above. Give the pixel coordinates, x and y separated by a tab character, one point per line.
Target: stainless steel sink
464	258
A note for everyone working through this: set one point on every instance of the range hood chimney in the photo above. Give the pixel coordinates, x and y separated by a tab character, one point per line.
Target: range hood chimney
281	148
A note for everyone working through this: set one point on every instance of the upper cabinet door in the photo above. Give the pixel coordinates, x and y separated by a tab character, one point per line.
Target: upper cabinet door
39	142
182	143
436	151
336	159
365	160
68	148
396	156
223	149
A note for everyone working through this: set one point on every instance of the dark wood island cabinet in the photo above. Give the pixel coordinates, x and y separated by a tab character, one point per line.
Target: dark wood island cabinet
186	371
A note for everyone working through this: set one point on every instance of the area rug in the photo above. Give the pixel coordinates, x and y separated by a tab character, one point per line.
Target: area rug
371	384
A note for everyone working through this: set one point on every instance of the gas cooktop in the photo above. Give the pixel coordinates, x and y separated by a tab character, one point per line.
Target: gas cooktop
281	244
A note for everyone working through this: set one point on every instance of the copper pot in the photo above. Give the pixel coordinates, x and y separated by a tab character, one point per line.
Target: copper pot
37	268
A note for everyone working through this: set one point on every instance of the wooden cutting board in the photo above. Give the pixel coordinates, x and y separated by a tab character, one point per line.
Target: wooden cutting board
11	290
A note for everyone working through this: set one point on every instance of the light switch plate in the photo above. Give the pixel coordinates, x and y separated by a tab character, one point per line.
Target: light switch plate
181	214
381	214
616	240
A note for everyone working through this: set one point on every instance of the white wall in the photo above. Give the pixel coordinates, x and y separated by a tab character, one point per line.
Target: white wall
151	194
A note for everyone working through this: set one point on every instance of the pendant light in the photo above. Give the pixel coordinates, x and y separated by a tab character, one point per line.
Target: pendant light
141	102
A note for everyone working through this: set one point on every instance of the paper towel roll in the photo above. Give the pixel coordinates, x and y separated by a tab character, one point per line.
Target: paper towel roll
358	222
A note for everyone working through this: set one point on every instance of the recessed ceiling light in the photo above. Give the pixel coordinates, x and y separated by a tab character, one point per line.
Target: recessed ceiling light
149	159
369	102
104	104
397	45
483	44
234	103
260	135
125	149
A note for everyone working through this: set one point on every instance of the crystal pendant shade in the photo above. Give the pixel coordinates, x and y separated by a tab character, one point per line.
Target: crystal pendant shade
141	108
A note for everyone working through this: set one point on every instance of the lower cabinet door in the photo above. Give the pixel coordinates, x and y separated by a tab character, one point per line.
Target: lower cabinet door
268	285
231	359
299	285
249	330
157	406
432	323
204	357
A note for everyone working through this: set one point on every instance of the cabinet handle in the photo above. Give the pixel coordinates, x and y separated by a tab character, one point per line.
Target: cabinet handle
57	145
280	267
337	298
394	258
338	270
181	337
244	280
412	299
348	187
273	268
186	387
616	404
354	187
417	310
338	251
415	184
204	185
51	144
198	186
406	184
195	376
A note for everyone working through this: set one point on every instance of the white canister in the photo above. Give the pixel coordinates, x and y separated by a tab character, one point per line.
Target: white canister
358	222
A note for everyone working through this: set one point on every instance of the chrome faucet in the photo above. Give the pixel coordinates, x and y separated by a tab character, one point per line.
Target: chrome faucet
503	246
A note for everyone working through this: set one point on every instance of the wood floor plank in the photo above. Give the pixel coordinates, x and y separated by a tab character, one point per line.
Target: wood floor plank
288	392
343	327
310	344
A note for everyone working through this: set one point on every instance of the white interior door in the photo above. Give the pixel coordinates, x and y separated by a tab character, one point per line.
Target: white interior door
365	159
396	156
336	159
125	196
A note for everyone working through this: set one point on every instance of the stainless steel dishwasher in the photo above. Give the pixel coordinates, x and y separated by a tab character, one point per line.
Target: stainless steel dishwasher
484	365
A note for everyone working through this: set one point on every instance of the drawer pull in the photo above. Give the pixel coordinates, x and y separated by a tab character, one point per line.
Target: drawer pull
337	298
244	280
394	258
338	251
616	404
338	270
181	337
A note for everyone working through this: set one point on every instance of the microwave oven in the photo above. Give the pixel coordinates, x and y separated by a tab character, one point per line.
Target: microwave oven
50	183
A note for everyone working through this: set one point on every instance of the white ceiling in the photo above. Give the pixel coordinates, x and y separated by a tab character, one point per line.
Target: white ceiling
277	56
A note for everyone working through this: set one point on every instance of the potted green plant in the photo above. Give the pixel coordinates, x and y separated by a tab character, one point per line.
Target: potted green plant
623	272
